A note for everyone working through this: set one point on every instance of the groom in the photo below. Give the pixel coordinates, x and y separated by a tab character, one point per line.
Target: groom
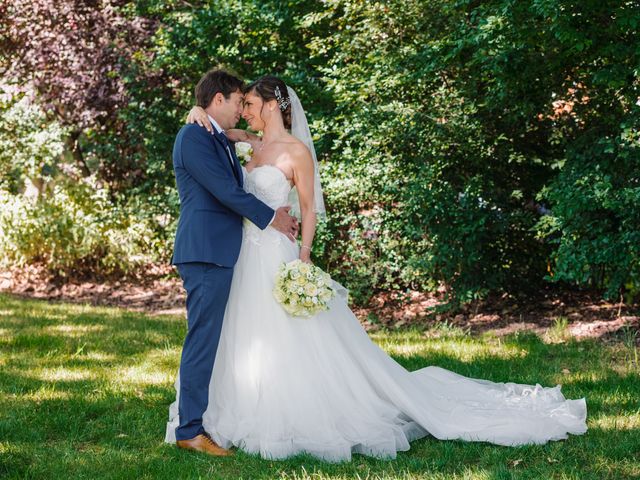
212	206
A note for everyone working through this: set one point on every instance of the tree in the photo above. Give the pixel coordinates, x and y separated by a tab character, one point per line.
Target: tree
76	57
454	121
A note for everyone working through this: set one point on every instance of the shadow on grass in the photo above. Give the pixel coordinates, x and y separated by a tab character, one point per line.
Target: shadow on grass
54	330
85	393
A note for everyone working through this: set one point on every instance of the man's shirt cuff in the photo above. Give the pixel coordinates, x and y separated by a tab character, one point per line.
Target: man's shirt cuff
272	219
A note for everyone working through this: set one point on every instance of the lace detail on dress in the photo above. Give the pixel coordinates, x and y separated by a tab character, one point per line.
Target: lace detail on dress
270	185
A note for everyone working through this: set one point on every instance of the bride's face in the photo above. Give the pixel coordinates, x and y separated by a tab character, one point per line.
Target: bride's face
257	112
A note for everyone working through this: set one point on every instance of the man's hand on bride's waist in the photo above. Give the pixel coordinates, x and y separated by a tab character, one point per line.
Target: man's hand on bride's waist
285	223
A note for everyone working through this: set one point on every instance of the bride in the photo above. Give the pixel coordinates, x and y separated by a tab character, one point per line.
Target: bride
283	385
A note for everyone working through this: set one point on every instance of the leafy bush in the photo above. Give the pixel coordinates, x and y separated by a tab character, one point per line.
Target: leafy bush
475	145
463	124
30	144
76	230
53	215
595	219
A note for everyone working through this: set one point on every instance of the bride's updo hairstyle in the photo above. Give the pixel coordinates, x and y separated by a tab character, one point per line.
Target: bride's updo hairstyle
272	88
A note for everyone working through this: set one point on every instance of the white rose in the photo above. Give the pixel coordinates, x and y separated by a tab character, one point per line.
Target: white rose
311	289
304	269
244	151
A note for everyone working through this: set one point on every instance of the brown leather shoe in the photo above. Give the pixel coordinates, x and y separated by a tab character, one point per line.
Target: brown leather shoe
204	443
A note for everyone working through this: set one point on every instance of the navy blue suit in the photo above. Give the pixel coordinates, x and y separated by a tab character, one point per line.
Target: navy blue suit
208	239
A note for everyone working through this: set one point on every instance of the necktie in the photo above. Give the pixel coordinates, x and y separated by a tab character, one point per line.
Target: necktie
236	172
225	142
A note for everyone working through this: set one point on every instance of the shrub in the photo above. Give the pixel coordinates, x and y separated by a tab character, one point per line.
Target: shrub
594	222
76	230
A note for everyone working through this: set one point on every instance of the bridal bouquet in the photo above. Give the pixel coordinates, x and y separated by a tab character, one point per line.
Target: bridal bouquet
244	151
302	289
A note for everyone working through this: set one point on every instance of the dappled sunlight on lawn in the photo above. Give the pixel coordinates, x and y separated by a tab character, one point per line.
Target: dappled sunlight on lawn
87	395
455	344
616	422
64	330
48	392
101	334
463	351
73	330
156	367
97	357
64	374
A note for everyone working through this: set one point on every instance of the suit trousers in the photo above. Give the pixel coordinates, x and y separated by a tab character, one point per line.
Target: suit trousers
207	287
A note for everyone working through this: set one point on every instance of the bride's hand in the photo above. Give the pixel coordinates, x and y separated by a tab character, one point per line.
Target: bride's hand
199	116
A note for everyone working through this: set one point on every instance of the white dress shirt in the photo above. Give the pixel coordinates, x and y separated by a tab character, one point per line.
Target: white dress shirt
220	130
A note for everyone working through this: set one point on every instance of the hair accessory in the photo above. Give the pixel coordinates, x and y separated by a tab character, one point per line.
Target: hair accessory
283	103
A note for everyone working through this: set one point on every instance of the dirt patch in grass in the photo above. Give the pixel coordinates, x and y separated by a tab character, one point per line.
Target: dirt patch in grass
159	291
582	314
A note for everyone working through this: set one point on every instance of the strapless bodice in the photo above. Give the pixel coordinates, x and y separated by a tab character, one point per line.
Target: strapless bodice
269	184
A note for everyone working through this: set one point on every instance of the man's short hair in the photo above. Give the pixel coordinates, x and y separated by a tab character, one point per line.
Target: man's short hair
215	81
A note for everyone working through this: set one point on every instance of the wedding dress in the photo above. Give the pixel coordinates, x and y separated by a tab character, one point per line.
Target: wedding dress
283	385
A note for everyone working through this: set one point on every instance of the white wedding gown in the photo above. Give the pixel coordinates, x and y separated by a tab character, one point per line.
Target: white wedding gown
283	385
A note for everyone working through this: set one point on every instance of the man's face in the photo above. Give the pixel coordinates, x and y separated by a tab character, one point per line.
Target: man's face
229	109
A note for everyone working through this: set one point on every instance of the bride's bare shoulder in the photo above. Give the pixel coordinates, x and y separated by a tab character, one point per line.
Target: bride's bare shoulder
297	149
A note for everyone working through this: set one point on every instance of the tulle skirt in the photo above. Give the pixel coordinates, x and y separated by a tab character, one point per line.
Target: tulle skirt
283	385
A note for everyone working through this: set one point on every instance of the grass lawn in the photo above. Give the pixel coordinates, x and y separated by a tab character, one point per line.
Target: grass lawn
84	393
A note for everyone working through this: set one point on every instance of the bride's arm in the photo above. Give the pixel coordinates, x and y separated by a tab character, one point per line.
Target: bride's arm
238	135
303	179
199	116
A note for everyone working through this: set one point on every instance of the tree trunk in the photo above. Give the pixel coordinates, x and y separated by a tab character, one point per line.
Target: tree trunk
76	151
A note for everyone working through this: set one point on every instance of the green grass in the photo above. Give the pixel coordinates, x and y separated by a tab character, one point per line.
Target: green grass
84	393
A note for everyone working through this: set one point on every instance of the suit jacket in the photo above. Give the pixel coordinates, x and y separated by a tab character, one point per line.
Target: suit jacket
212	201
